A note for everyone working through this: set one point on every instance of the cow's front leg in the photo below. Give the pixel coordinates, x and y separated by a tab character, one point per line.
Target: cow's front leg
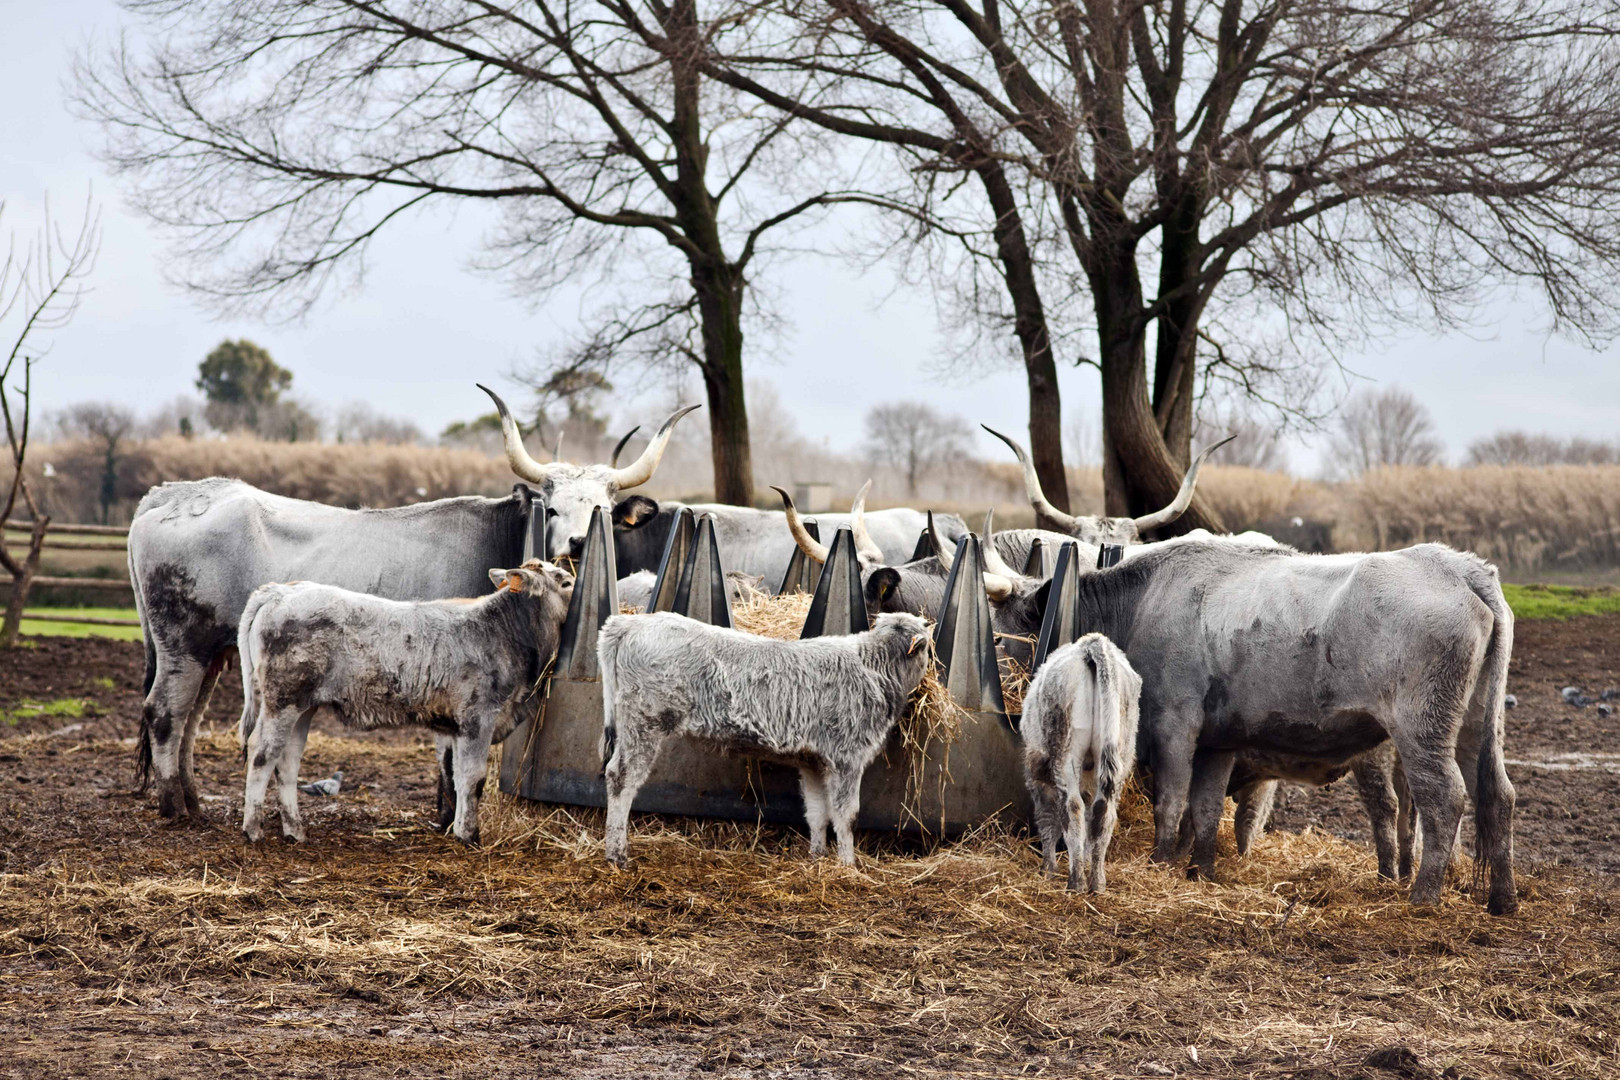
815	809
1174	746
471	765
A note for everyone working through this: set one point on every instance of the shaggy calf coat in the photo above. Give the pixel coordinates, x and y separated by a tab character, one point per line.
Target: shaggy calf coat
458	667
825	705
1079	731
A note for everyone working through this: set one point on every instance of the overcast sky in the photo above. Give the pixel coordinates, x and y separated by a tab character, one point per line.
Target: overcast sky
423	327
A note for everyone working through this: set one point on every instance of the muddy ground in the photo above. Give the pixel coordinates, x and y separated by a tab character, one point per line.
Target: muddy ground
132	947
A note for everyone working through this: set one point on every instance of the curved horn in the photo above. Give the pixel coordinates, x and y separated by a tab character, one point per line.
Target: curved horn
556	453
812	547
933	542
640	471
998	586
517	457
613	462
1183	499
1032	485
866	549
992	558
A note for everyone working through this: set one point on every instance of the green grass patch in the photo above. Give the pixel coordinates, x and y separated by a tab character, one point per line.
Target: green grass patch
77	629
72	708
1560	601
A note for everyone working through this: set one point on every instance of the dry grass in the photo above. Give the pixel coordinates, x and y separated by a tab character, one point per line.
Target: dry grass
722	941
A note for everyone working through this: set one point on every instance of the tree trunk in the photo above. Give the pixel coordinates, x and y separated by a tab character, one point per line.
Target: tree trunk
23	582
1029	323
720	294
1139	473
1175	363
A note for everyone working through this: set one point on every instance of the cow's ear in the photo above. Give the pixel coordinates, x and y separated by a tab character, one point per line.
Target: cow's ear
1041	595
881	584
634	511
497	576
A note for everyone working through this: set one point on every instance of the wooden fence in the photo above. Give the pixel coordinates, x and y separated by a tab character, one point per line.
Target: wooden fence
92	538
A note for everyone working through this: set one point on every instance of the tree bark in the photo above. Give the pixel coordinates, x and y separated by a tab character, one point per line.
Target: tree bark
1175	361
1139	474
21	583
1029	324
720	295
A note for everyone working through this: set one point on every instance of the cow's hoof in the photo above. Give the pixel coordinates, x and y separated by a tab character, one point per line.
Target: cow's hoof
252	837
618	862
1200	873
1503	905
470	840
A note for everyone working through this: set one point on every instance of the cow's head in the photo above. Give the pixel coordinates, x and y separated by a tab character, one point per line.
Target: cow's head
1098	529
571	492
918	586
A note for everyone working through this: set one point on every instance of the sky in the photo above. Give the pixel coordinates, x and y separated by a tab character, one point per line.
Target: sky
424	325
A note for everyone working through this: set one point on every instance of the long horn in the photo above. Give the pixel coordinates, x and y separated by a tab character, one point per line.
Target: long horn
1183	499
613	462
1032	485
866	549
812	547
640	471
998	586
992	558
933	541
556	453
517	457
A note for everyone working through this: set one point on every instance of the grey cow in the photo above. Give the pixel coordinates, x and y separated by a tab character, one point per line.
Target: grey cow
198	549
458	667
1295	665
1079	730
825	705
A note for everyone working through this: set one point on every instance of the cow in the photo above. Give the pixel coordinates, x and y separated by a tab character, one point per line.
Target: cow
1104	530
459	668
825	705
198	549
1079	731
1296	665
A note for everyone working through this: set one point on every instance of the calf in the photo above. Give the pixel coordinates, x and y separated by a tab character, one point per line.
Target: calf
458	667
825	705
1079	732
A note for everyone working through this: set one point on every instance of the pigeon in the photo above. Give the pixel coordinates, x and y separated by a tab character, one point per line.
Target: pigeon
1605	710
330	786
1570	693
1510	701
1609	695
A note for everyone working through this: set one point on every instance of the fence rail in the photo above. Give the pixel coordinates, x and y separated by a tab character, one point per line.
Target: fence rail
95	538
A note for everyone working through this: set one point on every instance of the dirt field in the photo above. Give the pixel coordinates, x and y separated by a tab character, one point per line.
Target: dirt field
131	947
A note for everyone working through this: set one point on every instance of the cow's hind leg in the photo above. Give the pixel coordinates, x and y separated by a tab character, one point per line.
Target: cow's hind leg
188	738
445	753
815	809
269	740
1212	771
1172	783
627	769
471	768
1049	813
165	719
1438	791
1375	778
292	755
843	803
1075	839
1405	823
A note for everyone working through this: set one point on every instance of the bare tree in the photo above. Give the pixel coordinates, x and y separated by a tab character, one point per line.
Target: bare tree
41	288
358	422
1254	443
1521	448
104	428
277	139
1376	428
1339	164
915	439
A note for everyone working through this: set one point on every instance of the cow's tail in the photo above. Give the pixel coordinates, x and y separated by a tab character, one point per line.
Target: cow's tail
250	662
1102	686
607	657
143	738
1493	791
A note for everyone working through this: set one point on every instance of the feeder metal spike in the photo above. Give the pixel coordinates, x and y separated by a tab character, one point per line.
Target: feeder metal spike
701	594
596	599
839	606
677	548
964	638
1060	622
